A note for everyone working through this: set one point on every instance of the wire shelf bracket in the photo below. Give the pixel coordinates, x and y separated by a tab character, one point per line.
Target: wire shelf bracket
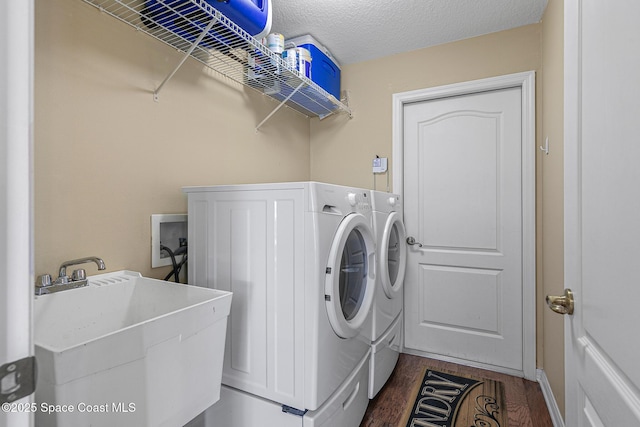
282	103
186	55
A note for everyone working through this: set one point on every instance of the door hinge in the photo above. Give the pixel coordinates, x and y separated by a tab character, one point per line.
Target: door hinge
18	379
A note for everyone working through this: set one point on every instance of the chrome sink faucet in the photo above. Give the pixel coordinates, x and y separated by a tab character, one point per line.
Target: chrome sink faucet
63	267
78	278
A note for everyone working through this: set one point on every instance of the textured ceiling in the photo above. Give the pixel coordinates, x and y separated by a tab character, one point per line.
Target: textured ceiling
356	31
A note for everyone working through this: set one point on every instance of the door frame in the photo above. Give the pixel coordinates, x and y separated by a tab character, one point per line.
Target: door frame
16	189
526	82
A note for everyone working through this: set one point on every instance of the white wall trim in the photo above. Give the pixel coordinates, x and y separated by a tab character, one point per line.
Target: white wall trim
16	184
549	398
16	130
525	81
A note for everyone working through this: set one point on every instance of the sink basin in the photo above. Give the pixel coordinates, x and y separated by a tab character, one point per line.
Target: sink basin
128	350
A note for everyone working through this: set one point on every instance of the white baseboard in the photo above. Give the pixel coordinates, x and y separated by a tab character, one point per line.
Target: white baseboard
552	405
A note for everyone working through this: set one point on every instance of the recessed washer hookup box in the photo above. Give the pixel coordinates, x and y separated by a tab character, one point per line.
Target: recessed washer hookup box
325	71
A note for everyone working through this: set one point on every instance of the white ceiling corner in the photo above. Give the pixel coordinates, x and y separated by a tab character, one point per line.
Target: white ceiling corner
356	31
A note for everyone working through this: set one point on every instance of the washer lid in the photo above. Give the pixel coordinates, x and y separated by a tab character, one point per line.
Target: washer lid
350	280
393	256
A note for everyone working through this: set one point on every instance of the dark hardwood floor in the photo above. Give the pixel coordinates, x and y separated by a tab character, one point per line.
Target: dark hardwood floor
525	404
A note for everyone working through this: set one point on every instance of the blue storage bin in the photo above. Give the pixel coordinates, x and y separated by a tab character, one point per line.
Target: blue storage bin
181	17
187	20
325	71
253	16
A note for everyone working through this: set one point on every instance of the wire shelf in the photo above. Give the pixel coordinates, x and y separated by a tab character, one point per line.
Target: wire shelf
202	32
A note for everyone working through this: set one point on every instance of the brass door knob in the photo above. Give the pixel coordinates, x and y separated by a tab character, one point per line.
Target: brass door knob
561	304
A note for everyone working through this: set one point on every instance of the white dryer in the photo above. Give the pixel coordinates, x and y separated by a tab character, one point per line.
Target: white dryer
385	327
300	260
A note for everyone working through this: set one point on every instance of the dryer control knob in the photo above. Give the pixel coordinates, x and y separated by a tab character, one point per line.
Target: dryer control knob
392	201
351	198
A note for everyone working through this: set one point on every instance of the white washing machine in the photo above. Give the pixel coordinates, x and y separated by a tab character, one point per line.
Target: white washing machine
300	260
385	327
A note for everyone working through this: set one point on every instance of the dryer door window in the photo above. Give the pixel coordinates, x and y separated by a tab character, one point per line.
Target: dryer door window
393	255
353	274
350	278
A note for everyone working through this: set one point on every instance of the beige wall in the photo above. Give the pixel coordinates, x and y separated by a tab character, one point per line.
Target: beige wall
552	244
342	150
107	156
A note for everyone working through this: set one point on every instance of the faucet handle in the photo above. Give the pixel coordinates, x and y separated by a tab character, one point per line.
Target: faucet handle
43	281
79	274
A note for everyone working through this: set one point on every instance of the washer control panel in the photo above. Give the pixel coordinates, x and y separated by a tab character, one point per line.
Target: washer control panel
360	201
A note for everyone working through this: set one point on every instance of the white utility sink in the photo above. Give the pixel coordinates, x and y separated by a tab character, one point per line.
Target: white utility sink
128	350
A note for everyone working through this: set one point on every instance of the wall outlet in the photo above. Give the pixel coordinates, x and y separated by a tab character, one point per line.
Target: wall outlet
169	230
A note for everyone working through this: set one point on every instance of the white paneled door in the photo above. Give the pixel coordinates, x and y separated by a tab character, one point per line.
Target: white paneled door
463	192
602	212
